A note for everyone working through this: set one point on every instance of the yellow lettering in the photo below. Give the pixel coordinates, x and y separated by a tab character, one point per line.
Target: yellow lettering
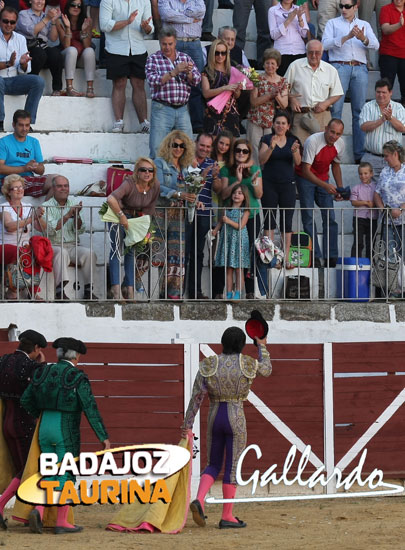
143	495
161	492
69	494
124	491
49	486
85	497
107	495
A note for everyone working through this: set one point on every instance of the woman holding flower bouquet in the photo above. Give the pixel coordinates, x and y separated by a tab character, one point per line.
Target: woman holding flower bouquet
176	154
215	80
270	93
136	196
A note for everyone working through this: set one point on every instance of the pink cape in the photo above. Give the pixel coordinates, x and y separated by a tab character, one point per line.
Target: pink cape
218	102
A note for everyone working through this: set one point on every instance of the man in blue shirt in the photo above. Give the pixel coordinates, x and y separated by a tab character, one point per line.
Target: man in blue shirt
21	154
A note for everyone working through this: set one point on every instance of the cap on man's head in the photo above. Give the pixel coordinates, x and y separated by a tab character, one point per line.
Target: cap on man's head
70	343
35	337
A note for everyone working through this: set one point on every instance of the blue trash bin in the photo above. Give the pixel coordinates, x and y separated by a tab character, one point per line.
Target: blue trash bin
354	283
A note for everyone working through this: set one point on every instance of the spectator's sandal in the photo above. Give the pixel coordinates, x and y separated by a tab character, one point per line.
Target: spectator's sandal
70	91
90	92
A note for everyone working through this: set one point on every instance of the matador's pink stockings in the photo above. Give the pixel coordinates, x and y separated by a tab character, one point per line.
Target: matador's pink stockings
206	482
228	491
9	493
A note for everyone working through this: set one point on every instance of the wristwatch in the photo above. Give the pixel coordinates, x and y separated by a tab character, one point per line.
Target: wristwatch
8	64
179	194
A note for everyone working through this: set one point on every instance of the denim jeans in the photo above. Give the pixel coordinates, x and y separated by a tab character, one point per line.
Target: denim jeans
195	252
163	120
355	79
30	85
207	25
115	263
311	194
196	104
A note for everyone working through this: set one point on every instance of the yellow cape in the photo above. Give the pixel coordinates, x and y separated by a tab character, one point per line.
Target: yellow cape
164	517
22	510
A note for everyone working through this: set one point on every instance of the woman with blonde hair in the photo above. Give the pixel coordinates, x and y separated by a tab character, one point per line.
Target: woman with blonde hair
215	80
16	221
176	154
136	196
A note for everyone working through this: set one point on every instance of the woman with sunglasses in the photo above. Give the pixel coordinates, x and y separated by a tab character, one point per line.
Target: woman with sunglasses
215	80
176	154
136	196
241	171
74	30
38	28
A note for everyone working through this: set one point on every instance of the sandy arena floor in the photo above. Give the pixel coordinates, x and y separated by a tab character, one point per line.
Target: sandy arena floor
352	524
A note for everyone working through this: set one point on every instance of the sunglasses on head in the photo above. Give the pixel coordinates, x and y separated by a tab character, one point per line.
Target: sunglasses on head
9	21
143	169
177	145
218	53
243	151
347	6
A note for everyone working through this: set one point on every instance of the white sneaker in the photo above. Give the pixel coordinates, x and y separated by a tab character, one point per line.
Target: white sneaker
145	127
118	126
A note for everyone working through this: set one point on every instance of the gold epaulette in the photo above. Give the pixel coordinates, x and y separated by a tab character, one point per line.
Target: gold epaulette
209	366
248	366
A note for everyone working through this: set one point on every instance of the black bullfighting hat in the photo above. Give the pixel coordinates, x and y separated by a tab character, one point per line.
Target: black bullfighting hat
35	337
256	325
70	343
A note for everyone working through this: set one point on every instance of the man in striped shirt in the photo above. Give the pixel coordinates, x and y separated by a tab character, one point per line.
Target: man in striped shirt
198	229
170	75
382	120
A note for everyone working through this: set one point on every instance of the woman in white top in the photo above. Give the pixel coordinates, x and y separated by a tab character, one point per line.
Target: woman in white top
16	221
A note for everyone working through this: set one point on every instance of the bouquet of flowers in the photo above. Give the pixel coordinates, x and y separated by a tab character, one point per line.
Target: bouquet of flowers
193	182
252	75
137	230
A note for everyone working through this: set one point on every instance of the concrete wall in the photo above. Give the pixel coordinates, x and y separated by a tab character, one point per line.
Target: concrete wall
293	322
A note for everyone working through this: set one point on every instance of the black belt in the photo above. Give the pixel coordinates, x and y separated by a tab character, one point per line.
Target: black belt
375	154
169	104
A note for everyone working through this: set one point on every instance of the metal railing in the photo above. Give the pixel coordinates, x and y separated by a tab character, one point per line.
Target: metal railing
169	264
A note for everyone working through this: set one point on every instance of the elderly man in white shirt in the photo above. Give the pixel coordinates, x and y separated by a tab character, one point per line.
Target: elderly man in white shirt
14	67
347	38
314	87
125	24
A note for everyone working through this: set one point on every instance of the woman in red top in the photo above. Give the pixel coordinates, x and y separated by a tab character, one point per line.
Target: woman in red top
392	46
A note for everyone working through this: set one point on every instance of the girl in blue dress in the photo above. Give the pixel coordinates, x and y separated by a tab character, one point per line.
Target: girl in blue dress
233	246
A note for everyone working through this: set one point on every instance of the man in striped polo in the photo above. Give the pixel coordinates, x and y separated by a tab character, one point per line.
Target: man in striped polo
382	120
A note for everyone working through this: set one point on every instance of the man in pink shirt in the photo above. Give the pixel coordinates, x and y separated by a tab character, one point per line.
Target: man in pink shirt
321	151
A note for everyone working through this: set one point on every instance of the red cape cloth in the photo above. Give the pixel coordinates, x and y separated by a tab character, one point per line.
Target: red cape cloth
41	247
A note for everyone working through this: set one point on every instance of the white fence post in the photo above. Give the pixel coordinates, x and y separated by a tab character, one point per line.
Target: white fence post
329	432
191	362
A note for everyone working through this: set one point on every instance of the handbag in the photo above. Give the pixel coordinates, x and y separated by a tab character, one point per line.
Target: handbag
297	288
266	249
97	189
115	176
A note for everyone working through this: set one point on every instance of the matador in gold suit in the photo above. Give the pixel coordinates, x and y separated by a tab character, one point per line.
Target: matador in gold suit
226	378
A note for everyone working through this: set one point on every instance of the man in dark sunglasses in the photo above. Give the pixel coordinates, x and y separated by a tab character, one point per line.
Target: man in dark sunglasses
347	39
15	66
